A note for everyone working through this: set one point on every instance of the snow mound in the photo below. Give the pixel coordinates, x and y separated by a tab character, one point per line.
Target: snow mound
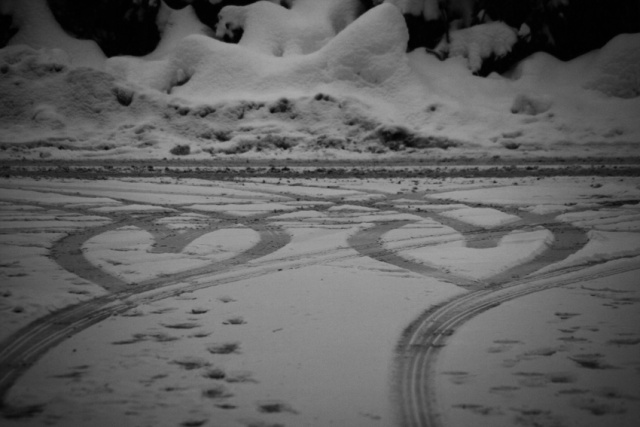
271	29
42	93
355	91
618	68
32	62
369	53
38	28
274	30
174	25
480	42
531	104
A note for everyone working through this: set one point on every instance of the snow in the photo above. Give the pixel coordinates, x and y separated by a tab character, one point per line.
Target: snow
527	370
283	356
313	315
274	30
49	198
435	244
127	252
185	221
606	219
318	313
154	192
574	193
482	217
358	56
33	284
246	209
603	246
299	215
175	25
480	42
351	90
38	29
132	208
351	208
618	68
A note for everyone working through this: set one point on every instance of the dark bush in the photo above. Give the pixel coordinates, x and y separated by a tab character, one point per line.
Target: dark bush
181	150
283	105
398	138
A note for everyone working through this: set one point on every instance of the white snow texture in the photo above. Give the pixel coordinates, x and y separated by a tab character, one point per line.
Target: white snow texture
369	90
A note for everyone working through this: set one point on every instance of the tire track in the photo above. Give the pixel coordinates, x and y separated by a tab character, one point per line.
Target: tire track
368	243
419	348
23	348
26	346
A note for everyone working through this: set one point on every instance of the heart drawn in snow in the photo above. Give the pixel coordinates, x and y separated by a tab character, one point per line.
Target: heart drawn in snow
446	249
134	255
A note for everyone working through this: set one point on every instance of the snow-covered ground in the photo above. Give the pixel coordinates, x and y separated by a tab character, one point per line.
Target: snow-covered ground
576	364
300	324
303	84
264	301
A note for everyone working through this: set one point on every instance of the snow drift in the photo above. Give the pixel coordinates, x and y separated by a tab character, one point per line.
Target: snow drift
348	84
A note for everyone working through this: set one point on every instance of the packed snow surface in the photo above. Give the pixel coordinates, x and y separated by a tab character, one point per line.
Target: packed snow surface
301	328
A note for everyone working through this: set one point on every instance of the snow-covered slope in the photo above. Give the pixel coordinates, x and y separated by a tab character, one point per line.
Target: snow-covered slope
350	89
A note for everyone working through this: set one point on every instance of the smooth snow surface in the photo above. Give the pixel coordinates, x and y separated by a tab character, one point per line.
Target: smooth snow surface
482	217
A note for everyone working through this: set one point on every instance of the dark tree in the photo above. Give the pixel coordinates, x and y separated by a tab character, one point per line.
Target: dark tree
120	27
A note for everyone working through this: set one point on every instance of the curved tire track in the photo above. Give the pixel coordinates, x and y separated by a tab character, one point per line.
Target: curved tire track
368	243
419	348
23	348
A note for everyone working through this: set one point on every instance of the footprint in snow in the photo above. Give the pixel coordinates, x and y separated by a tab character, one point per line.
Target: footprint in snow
235	321
240	377
479	409
224	348
217	392
191	363
182	325
275	407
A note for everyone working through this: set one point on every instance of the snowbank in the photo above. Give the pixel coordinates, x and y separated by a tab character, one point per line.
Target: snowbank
39	29
274	30
175	25
368	55
481	42
336	86
617	68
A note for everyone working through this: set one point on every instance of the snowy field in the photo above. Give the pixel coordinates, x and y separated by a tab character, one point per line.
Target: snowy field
269	301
